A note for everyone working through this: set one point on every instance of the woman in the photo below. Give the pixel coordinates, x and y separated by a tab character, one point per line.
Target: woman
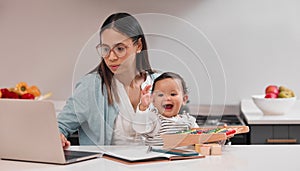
105	100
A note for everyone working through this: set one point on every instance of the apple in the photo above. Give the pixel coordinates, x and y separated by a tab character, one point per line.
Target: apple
272	89
27	96
4	92
271	95
285	94
12	95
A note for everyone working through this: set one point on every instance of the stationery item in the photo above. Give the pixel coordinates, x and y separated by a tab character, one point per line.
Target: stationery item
29	132
142	154
178	152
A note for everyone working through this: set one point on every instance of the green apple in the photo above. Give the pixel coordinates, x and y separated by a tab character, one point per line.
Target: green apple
285	89
285	94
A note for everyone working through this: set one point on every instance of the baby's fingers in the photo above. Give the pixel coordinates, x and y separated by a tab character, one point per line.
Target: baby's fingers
146	89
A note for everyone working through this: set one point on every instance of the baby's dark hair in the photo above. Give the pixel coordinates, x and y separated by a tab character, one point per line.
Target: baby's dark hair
171	75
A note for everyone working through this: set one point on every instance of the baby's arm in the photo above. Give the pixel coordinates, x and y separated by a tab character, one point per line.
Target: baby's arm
144	122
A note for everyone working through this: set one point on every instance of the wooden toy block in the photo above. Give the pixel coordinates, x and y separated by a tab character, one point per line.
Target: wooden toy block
215	149
208	149
203	149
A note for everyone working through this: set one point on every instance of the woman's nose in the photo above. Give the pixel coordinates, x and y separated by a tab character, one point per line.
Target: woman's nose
112	56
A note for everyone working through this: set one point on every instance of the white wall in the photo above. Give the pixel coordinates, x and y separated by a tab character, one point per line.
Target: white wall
226	50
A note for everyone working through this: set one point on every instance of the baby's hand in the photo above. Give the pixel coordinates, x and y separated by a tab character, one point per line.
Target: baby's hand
145	98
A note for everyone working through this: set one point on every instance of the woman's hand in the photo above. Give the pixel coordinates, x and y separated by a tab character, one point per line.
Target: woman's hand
145	98
65	143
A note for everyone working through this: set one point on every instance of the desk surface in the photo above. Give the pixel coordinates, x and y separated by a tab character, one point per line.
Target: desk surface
234	158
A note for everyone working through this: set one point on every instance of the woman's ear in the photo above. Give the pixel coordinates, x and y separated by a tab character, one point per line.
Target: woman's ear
139	45
185	99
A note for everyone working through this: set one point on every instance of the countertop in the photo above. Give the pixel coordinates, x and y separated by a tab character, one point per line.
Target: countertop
234	158
254	116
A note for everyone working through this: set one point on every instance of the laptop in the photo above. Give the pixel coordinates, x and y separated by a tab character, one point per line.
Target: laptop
29	132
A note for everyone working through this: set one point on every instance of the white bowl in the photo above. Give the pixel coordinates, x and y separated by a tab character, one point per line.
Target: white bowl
273	106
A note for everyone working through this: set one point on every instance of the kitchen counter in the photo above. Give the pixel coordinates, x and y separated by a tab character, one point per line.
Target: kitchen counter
234	158
254	116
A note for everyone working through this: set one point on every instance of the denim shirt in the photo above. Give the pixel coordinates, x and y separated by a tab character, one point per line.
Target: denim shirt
87	111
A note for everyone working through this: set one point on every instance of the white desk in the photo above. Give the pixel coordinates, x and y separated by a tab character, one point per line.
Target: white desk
234	158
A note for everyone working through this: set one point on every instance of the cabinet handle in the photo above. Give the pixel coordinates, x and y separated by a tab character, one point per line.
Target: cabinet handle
281	140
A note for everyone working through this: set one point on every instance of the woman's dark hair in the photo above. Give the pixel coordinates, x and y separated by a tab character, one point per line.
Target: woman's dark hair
171	75
128	25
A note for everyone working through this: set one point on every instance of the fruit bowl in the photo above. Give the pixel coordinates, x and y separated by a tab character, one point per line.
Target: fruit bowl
273	106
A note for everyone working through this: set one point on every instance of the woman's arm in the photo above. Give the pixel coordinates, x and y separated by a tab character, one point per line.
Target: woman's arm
76	108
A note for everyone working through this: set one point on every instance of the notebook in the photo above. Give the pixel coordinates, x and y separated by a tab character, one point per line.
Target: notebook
132	155
29	132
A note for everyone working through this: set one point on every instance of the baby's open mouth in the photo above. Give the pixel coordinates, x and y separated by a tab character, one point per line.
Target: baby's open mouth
168	106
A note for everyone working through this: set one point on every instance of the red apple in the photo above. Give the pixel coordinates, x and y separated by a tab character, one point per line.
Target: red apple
272	89
27	96
12	95
4	92
271	95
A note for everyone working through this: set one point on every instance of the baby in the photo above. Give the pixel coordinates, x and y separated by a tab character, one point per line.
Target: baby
158	113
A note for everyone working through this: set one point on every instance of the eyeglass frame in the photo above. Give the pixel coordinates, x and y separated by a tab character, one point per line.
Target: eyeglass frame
98	48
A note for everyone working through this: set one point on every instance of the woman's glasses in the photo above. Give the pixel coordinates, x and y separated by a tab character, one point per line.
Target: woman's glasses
119	50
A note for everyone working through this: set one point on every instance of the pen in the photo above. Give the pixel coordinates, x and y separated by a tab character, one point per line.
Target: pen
149	149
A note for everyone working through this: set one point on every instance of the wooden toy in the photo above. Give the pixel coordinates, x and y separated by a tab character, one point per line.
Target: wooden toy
209	149
201	136
215	149
203	149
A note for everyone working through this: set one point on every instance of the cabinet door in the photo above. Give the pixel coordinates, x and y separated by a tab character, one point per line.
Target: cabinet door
294	133
280	135
260	134
275	134
281	132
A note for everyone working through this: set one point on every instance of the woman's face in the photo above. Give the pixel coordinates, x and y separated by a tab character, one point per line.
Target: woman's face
168	97
121	51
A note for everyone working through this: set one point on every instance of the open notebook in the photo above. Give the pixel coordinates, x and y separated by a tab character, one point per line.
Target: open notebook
141	154
29	132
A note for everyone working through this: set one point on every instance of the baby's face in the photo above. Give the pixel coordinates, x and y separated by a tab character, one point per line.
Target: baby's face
168	97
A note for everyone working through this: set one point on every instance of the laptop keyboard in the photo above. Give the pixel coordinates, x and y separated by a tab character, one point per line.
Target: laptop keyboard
69	155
